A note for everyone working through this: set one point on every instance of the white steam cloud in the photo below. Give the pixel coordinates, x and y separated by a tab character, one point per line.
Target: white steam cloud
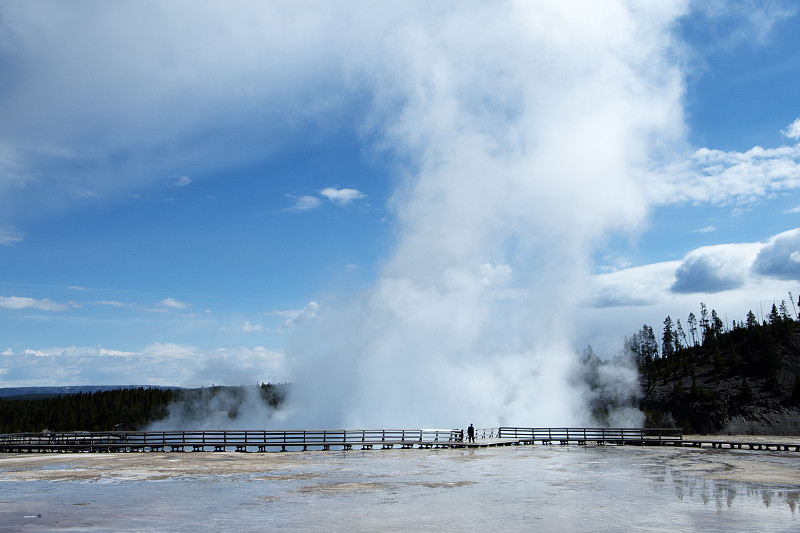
529	130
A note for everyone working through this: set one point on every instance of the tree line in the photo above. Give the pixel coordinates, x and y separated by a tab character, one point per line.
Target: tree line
707	371
708	335
128	409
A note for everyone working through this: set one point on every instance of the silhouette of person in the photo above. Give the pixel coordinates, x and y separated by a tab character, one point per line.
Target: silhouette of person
471	433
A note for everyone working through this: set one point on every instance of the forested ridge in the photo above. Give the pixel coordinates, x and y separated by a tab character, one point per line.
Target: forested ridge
711	377
125	409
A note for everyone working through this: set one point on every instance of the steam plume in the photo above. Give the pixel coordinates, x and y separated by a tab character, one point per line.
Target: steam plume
528	130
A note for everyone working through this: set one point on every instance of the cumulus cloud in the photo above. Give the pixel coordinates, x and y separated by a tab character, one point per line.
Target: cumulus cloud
708	270
341	196
633	286
724	177
714	268
161	363
780	257
792	131
10	235
21	302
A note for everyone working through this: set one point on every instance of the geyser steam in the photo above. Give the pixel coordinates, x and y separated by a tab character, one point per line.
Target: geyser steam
529	129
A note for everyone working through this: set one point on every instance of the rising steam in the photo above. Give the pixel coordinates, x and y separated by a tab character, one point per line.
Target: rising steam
528	130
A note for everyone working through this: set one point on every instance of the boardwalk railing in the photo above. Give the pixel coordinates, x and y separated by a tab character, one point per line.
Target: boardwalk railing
223	440
366	439
596	435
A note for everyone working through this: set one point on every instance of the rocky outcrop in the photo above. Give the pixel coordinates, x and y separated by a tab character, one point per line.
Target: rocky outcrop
744	382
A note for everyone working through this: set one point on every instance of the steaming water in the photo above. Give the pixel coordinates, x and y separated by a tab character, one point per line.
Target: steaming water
520	488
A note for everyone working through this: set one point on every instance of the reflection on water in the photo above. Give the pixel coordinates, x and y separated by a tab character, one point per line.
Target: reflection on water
551	488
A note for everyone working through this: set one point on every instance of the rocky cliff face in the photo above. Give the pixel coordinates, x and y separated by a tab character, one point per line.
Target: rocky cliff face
746	381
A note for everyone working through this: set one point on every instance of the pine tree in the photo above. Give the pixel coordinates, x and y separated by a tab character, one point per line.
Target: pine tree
680	334
774	318
704	322
668	339
692	323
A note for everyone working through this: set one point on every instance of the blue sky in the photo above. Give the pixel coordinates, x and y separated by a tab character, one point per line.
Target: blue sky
222	193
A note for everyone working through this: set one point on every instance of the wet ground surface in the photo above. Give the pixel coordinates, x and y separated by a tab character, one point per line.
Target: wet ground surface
577	488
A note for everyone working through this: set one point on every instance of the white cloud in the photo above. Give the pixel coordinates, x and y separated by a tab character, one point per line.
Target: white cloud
707	229
720	177
495	275
247	327
10	235
295	318
732	278
161	363
304	203
792	131
20	302
111	303
341	196
178	182
633	286
739	270
172	303
780	257
733	23
714	268
179	351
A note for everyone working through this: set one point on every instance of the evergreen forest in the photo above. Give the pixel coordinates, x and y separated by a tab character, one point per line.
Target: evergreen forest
711	377
127	409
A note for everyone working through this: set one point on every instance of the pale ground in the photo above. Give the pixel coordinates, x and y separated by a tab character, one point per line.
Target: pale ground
749	466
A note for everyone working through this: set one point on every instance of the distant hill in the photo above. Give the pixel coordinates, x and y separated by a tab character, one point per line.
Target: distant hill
33	393
745	380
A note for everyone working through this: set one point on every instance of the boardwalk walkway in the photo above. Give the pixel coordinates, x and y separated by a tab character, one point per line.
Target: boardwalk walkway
366	439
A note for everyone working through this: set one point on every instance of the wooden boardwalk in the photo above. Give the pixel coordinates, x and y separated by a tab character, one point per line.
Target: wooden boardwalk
741	444
364	439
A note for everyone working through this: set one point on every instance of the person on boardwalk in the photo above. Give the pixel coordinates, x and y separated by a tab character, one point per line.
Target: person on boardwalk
471	433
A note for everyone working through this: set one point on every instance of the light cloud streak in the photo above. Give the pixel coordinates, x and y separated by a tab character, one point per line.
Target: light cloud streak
304	203
10	235
21	302
172	303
